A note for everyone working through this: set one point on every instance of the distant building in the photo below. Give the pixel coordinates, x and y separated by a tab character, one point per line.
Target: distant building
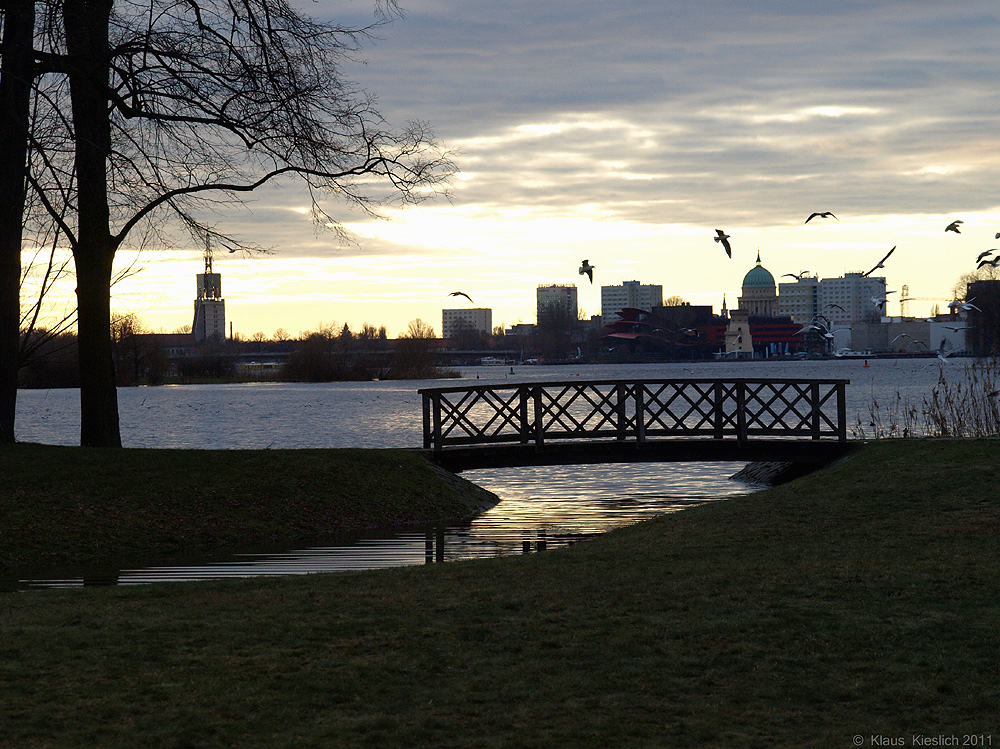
982	321
454	321
686	315
556	298
760	296
842	300
739	342
520	329
209	306
799	300
631	294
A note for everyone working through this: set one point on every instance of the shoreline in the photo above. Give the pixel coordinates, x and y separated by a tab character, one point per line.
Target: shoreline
856	601
62	504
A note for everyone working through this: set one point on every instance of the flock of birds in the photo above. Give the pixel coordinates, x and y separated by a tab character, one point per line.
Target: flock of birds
820	323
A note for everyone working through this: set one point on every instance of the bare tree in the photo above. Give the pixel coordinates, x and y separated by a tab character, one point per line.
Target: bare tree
176	108
16	76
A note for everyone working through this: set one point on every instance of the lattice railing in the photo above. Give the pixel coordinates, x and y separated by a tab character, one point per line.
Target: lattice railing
636	410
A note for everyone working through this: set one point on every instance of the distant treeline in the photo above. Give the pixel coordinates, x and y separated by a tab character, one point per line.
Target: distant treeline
325	355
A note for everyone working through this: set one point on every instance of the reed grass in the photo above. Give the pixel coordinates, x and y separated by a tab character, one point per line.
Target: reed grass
963	405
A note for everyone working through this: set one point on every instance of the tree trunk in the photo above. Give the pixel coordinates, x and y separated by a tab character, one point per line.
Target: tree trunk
86	24
98	395
15	98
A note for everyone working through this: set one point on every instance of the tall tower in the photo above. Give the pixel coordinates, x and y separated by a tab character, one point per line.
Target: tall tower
209	306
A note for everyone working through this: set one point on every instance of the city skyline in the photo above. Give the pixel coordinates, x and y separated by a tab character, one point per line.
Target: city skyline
627	134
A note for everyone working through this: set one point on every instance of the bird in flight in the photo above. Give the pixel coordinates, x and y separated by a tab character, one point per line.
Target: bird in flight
953	226
880	301
587	268
985	254
964	306
993	262
461	293
881	263
797	277
997	236
724	238
820	214
837	306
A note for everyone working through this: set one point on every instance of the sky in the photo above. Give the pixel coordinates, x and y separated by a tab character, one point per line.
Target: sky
627	132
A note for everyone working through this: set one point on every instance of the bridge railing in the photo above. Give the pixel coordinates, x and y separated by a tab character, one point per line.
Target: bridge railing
636	410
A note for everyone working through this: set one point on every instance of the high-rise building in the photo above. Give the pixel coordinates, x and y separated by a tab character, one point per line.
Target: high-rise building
209	306
853	296
556	298
630	294
850	298
454	321
799	300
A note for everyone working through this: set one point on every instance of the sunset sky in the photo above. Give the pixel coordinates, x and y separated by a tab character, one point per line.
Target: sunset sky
626	132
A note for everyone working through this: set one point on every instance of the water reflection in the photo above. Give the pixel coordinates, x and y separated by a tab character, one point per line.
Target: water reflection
541	508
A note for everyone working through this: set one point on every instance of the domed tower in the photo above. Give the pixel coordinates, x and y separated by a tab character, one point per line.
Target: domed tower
760	294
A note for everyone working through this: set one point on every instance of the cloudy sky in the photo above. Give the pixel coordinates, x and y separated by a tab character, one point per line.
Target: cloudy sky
626	132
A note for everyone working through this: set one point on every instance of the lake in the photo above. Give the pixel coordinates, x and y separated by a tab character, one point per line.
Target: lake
542	507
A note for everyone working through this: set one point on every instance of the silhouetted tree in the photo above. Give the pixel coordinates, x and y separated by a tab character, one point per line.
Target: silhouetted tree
414	358
17	71
166	107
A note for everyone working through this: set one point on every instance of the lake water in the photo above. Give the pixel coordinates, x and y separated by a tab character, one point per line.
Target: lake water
540	507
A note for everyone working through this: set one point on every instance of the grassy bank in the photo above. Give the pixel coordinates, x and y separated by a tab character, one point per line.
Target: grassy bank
71	504
859	601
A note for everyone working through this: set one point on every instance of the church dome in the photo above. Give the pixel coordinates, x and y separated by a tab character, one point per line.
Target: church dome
759	277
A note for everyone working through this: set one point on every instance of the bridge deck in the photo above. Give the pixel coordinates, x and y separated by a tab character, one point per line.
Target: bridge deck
601	421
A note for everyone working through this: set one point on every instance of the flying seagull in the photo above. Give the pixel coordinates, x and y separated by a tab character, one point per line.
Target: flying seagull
985	254
587	268
992	262
964	306
953	226
880	301
461	293
797	276
881	263
997	236
724	238
820	214
837	306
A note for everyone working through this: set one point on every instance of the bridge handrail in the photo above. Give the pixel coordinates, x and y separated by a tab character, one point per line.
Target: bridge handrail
633	409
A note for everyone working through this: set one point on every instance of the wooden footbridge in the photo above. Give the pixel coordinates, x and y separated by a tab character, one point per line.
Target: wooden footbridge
620	421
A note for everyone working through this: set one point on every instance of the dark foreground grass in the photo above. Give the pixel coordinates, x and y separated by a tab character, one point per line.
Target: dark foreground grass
859	601
72	504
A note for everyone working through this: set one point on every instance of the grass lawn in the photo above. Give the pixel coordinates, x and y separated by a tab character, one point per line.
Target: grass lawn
72	504
862	600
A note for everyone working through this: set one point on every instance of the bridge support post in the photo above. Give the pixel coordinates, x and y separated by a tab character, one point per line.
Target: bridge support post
522	408
620	396
814	397
427	420
539	436
640	412
842	411
718	410
438	441
741	412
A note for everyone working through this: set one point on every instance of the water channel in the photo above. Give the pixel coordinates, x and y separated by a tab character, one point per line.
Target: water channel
540	507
